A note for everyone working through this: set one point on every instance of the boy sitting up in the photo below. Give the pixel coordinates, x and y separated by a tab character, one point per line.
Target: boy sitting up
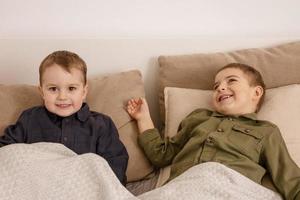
231	135
65	118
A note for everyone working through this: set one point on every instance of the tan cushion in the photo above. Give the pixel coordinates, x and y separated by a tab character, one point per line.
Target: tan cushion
279	65
13	100
281	106
189	100
107	94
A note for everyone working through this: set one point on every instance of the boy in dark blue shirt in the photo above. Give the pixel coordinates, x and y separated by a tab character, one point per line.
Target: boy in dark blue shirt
65	118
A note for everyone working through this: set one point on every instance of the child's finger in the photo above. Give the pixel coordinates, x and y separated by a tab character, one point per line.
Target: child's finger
130	107
144	101
130	110
135	103
140	100
137	100
131	102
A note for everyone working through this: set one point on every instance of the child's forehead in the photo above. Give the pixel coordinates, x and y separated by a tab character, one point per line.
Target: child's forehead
57	72
230	72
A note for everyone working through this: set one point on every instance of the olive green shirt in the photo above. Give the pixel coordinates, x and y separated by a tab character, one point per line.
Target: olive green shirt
243	143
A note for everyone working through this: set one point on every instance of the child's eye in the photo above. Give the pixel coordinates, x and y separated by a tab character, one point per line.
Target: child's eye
215	87
72	88
52	89
231	80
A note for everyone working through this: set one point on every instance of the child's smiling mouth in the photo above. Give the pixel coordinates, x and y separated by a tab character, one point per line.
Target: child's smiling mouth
224	97
63	105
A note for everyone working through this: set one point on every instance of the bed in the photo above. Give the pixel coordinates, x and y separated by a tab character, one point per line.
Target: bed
180	76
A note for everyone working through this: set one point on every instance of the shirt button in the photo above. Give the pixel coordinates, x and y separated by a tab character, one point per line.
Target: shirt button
209	139
65	139
220	130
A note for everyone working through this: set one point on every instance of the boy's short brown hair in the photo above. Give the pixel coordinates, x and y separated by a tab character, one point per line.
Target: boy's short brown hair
255	78
65	59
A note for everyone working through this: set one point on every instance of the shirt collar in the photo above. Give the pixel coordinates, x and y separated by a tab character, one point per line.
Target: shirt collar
82	114
252	116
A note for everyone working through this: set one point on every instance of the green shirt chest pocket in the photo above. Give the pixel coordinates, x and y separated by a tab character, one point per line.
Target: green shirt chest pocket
246	140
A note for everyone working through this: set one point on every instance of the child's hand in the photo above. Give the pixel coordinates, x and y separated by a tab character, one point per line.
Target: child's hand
138	109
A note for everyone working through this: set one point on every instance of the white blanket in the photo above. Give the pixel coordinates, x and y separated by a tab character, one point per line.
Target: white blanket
45	171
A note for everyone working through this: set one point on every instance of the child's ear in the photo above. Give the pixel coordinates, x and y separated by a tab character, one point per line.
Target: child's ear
41	91
259	91
86	88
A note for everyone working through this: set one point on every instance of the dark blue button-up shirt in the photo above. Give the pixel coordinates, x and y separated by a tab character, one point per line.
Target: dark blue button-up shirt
83	132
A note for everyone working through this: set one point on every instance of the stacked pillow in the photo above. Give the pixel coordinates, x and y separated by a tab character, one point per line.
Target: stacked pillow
279	66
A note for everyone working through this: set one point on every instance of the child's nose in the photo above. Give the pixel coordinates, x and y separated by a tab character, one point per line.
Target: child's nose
62	95
222	87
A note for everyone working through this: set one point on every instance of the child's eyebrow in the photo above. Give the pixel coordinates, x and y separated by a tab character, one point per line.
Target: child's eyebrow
50	85
54	85
232	76
74	84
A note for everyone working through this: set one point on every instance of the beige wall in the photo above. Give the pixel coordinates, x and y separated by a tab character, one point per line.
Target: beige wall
148	18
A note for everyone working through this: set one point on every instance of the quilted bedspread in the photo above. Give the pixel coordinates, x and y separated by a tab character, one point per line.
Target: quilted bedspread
43	171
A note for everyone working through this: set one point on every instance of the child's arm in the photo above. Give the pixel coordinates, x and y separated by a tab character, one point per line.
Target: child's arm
139	110
283	170
158	152
110	147
161	151
15	133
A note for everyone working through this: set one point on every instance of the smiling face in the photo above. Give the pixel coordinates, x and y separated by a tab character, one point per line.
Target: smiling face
233	94
63	92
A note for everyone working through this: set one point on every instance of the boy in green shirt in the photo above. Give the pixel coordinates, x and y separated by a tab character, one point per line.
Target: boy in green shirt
231	135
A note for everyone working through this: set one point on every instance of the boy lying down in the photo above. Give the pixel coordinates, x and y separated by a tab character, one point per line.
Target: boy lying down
231	135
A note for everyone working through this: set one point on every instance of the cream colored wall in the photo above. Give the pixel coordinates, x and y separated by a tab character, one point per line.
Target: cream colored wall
20	58
148	18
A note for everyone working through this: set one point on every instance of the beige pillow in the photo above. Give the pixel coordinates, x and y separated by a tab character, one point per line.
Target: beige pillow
189	100
281	106
279	65
107	94
13	100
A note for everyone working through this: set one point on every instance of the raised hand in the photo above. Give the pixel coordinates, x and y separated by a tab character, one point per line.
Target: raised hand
138	109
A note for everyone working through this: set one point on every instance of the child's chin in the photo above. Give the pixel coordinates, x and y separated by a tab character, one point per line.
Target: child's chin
225	111
63	114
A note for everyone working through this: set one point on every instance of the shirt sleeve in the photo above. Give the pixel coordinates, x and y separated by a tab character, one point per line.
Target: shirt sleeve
112	149
161	151
284	171
15	133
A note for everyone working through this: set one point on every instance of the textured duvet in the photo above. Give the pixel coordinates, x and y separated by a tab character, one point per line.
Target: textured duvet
43	171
